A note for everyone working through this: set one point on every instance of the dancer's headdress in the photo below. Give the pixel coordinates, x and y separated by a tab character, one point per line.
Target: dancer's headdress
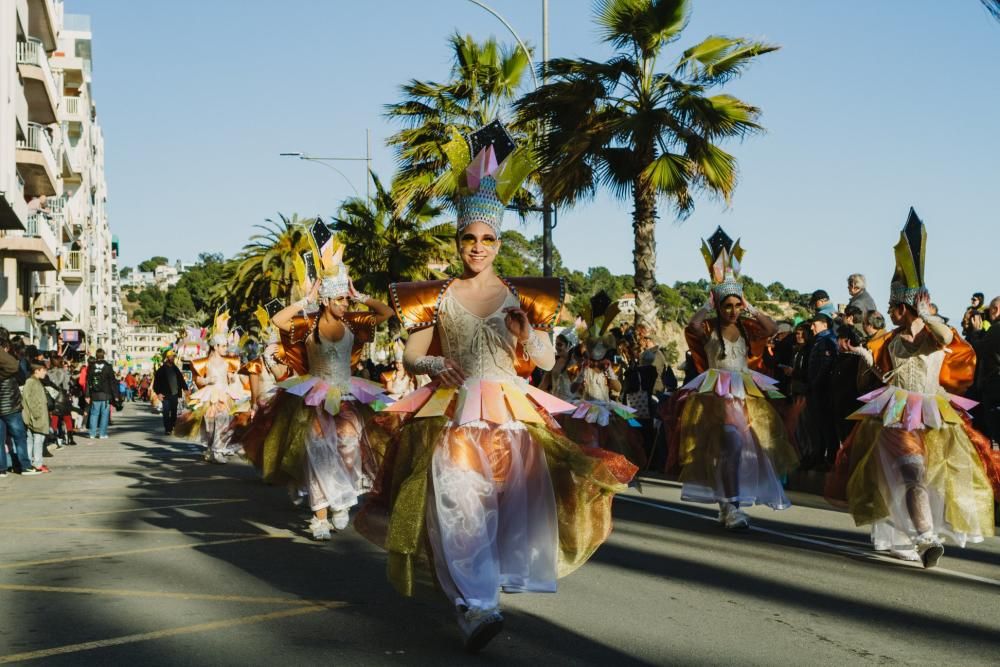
595	323
328	261
723	259
487	168
910	251
220	329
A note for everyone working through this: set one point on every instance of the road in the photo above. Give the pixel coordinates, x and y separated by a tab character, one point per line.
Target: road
133	551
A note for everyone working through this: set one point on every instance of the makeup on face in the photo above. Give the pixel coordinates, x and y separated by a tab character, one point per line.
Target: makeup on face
469	241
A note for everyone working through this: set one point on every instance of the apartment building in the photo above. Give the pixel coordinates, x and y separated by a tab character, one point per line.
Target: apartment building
57	254
140	344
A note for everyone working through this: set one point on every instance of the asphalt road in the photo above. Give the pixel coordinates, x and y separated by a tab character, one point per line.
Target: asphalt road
134	552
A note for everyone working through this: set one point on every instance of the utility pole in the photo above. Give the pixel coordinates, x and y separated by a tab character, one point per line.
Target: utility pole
546	205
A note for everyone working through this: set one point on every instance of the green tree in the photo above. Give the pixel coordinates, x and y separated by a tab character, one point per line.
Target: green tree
151	264
484	81
263	270
125	272
152	303
642	133
203	282
390	240
179	307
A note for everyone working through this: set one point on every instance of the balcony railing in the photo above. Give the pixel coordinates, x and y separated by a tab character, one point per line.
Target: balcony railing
71	105
37	139
49	300
74	261
36	226
32	52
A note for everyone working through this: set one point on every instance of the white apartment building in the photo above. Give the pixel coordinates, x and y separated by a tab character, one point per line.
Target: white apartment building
140	344
58	258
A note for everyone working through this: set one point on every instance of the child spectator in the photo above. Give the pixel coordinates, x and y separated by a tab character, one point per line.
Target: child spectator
36	415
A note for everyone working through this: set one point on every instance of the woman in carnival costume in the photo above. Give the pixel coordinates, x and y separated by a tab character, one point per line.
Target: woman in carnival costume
480	485
913	467
599	421
220	395
314	432
558	381
264	369
732	444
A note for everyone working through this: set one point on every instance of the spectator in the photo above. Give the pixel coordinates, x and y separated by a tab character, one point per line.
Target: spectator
102	388
987	345
849	369
11	420
969	330
130	386
61	415
860	298
822	419
169	385
36	415
652	355
818	300
874	324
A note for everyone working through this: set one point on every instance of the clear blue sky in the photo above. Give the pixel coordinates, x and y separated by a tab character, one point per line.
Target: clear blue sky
871	107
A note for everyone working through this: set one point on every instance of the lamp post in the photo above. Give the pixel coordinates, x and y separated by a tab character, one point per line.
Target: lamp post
325	161
547	208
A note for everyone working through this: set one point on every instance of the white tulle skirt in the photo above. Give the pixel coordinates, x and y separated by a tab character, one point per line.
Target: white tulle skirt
491	532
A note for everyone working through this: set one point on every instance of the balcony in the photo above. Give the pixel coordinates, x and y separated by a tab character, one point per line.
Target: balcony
74	110
72	268
47	304
37	163
44	17
13	209
40	87
34	248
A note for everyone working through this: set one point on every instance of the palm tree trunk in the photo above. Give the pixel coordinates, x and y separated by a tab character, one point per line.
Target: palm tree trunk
644	253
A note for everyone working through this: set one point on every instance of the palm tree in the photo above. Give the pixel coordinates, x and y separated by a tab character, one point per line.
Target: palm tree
264	269
642	133
386	242
993	7
485	78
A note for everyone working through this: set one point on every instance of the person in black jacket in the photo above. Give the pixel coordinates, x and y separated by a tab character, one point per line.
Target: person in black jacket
987	345
11	421
102	387
822	419
169	385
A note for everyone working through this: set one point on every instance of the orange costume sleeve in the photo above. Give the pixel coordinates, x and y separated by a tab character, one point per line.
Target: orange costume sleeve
293	349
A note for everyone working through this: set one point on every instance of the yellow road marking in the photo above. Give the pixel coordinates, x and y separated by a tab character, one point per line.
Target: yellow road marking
128	552
71	515
171	632
62	496
123	592
158	531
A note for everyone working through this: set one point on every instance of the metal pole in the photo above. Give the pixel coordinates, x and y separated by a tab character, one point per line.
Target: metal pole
546	207
368	162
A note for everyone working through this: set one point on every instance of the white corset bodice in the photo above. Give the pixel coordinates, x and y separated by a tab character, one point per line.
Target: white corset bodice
217	371
736	353
916	369
331	360
482	346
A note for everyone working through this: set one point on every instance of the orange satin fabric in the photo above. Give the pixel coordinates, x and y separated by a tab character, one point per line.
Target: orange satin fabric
959	367
416	306
292	352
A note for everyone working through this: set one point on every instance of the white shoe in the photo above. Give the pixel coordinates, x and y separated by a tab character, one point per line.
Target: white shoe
479	626
930	549
341	518
732	517
320	528
909	555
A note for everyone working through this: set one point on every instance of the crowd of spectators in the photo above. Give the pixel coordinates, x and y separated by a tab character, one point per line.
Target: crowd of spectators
49	399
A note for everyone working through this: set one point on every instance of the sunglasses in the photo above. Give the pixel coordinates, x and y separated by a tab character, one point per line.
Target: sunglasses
468	242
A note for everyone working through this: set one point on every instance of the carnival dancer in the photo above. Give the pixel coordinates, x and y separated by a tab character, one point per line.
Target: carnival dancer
315	434
263	370
913	467
559	380
733	448
480	483
599	421
219	396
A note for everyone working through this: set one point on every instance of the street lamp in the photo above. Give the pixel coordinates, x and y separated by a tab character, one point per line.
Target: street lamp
325	161
547	208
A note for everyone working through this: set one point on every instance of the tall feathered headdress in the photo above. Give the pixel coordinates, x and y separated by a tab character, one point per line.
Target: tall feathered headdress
220	329
327	257
910	251
723	257
487	168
